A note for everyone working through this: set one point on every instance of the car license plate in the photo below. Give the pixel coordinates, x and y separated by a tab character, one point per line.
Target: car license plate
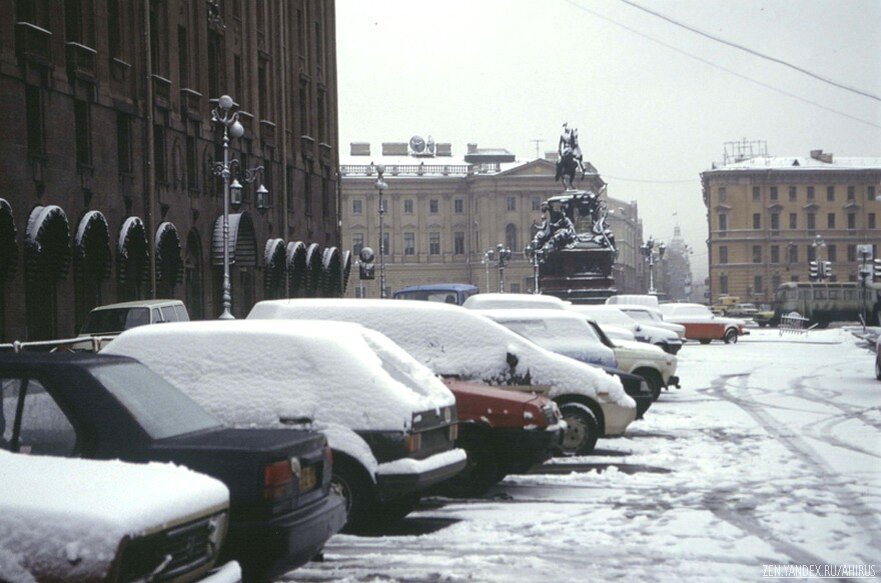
308	478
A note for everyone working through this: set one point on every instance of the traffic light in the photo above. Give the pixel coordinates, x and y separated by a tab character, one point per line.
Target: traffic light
366	268
814	270
825	269
877	270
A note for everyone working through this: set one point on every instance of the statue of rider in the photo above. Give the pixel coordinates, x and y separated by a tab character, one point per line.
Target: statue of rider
568	144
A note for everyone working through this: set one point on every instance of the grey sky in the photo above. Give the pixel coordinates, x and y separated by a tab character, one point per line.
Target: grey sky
502	73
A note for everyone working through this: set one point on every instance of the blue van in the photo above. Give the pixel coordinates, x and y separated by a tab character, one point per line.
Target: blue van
450	293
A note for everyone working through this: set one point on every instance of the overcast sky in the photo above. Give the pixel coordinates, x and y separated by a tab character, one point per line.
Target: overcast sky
502	73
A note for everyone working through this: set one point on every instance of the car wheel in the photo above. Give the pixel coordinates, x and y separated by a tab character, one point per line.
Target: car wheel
356	488
582	429
482	470
704	340
653	379
762	324
730	336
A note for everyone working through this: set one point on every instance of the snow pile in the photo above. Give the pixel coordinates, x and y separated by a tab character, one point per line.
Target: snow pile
454	341
65	518
256	372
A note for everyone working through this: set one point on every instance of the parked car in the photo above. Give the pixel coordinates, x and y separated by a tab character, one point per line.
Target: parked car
656	367
391	423
503	301
609	316
651	316
503	432
561	331
634	299
102	406
112	319
449	293
744	310
459	343
764	316
85	520
702	325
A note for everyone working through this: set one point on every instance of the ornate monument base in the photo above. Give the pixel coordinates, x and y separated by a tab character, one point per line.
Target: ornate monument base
581	275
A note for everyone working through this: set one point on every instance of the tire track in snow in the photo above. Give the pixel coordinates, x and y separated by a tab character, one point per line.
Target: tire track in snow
849	502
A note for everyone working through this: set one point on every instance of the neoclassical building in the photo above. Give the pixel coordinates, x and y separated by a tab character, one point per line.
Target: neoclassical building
765	215
106	184
444	211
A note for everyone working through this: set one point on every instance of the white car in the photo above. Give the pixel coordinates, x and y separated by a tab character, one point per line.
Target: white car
390	422
610	317
497	301
456	342
67	519
651	316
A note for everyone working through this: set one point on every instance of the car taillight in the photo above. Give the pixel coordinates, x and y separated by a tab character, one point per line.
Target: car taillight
278	479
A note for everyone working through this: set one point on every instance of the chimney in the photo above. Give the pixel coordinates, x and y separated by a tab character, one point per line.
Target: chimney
821	156
359	148
472	148
444	149
552	156
394	148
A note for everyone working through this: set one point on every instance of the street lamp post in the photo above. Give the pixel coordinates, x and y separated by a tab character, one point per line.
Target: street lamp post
500	255
380	186
226	113
652	251
865	276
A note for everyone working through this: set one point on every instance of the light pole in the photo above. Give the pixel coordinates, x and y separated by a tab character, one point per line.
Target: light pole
226	113
500	255
381	185
652	251
865	275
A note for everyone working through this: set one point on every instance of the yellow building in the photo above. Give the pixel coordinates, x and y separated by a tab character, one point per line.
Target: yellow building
442	213
770	216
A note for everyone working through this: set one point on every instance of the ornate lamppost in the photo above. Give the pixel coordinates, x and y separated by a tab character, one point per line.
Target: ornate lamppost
500	255
226	113
652	251
380	186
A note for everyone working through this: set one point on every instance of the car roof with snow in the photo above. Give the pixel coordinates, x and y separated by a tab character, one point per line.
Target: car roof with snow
453	341
258	372
492	301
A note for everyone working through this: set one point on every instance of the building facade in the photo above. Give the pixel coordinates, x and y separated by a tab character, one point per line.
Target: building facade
443	213
106	181
770	216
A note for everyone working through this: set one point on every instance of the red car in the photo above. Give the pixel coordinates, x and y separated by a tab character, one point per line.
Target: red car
702	325
503	432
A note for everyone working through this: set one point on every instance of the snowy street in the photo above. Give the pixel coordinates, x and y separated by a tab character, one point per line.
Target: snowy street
770	454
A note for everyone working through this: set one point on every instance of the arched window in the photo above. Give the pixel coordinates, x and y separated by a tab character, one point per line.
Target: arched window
511	238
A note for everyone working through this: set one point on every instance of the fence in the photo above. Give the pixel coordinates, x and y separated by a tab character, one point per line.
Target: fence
793	323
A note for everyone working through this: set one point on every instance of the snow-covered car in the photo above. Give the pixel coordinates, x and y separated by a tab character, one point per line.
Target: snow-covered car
86	520
610	317
656	366
634	299
703	325
651	316
560	331
114	318
102	406
390	422
503	301
455	342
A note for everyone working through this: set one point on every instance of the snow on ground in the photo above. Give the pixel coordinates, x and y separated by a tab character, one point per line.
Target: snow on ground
769	454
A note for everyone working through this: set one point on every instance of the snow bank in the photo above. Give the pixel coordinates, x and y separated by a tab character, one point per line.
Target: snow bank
255	372
452	340
64	518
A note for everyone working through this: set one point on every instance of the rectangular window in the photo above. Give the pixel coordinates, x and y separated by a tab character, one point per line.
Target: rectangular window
757	194
831	253
723	284
434	243
35	121
757	253
458	206
870	192
304	107
723	194
183	57
775	221
773	193
793	221
357	243
386	244
723	222
775	254
775	282
757	221
870	221
810	193
357	206
812	221
73	21
263	87
758	285
812	253
113	29
433	206
723	254
192	157
851	221
511	203
159	160
536	203
459	243
851	192
830	220
851	253
409	243
123	143
408	206
830	193
793	193
793	253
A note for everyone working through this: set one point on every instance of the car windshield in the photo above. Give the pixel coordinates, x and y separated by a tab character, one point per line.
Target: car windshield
543	331
161	409
611	317
116	320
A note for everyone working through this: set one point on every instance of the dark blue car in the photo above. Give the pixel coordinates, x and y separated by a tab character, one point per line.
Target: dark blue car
450	293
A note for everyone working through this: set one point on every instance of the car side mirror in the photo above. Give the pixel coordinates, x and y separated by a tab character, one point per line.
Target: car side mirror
512	360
